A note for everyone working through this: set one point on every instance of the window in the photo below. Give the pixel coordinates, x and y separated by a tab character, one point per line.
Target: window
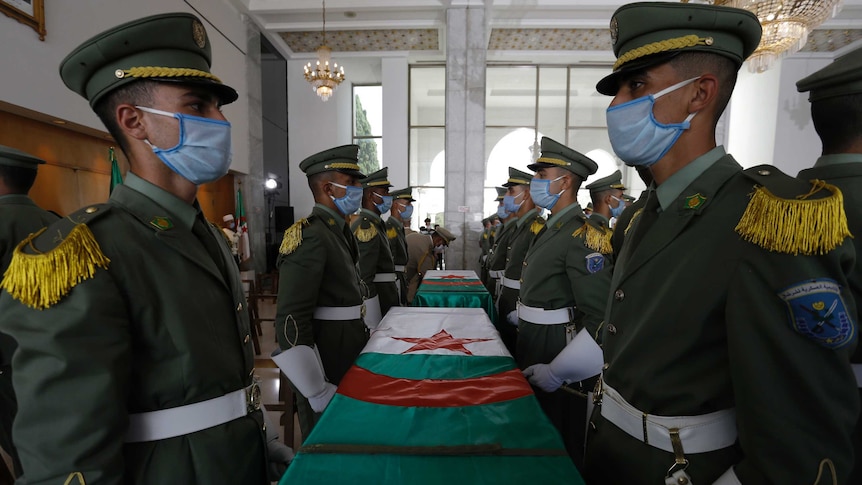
427	160
368	126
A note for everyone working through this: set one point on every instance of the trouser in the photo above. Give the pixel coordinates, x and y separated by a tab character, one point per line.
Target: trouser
8	409
508	333
856	474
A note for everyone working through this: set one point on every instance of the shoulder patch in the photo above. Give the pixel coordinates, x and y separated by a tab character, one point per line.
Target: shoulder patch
537	225
595	238
364	230
803	225
817	311
595	262
391	233
41	279
292	237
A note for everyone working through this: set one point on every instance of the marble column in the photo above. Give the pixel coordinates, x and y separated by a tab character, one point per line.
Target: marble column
465	132
252	184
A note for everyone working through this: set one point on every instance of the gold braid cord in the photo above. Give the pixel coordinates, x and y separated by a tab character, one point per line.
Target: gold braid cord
391	233
343	166
595	239
41	280
150	71
365	234
662	46
292	237
801	226
632	220
537	226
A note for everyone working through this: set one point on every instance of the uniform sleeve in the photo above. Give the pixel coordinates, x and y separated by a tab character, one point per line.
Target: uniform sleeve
300	275
368	252
796	398
71	378
589	289
427	260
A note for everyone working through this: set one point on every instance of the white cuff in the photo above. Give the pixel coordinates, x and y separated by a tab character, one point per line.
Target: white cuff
302	366
580	359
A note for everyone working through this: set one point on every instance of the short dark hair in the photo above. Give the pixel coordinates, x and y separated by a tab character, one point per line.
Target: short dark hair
137	93
838	122
318	180
694	64
19	180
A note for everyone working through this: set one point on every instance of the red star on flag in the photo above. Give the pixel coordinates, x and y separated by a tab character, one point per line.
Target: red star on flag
452	277
440	340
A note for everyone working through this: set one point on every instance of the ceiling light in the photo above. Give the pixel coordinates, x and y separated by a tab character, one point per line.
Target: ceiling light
323	78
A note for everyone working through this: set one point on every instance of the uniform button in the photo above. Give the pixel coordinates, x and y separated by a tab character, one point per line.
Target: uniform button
525	263
612	329
605	367
90	210
245	340
763	172
619	295
239	307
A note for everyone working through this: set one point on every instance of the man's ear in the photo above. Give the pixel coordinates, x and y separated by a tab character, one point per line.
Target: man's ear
130	122
705	93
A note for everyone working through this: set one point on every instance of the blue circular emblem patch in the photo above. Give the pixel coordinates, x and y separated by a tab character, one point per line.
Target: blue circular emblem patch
817	311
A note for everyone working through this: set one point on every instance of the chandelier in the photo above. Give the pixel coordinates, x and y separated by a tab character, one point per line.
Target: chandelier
323	78
786	24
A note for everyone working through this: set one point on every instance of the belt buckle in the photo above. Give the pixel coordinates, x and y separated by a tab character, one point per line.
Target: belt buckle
362	309
252	396
598	391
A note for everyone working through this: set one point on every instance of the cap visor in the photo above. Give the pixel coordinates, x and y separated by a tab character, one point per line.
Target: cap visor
353	173
610	84
225	93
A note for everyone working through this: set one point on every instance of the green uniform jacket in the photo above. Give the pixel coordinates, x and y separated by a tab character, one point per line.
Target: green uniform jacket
321	271
398	247
696	323
848	177
623	222
375	257
559	271
496	260
518	244
161	327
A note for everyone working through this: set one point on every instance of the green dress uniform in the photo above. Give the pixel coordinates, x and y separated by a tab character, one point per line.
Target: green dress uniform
134	361
565	272
318	267
495	233
156	321
838	87
396	234
729	326
420	252
19	217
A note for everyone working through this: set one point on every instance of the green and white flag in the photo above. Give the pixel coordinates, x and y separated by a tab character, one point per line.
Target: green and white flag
434	398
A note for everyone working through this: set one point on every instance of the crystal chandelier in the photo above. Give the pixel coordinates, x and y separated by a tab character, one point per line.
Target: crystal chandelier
786	24
323	78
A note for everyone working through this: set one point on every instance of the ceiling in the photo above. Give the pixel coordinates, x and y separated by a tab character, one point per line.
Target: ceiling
519	31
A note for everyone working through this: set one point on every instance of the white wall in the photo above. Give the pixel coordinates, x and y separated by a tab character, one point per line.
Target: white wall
30	67
752	122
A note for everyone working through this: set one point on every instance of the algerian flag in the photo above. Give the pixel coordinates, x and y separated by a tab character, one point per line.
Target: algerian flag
116	176
242	228
434	398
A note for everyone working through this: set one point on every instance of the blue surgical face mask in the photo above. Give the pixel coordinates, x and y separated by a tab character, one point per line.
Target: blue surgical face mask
385	205
203	152
636	136
618	210
502	213
351	201
509	202
407	213
540	192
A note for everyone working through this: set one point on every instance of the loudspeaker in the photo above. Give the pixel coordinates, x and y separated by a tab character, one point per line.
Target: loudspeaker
283	216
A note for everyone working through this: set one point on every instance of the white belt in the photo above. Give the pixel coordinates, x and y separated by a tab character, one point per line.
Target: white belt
338	312
540	316
496	274
510	283
183	420
857	371
399	268
698	434
385	278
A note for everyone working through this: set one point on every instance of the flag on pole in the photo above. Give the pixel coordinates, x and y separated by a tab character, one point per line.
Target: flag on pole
116	176
434	397
242	228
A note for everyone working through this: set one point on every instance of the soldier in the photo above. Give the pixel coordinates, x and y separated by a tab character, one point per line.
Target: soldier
496	260
19	217
402	210
319	310
564	287
229	229
420	249
527	224
723	297
376	265
135	362
836	110
607	197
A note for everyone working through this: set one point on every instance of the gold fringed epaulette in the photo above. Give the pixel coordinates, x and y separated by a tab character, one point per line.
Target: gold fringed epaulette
795	226
365	234
292	237
41	280
391	233
595	238
537	225
632	220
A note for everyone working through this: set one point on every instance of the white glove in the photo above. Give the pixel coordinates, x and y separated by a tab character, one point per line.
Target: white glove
541	376
320	400
512	317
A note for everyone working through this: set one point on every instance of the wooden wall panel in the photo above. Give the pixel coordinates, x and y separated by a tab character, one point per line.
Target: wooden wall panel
78	172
